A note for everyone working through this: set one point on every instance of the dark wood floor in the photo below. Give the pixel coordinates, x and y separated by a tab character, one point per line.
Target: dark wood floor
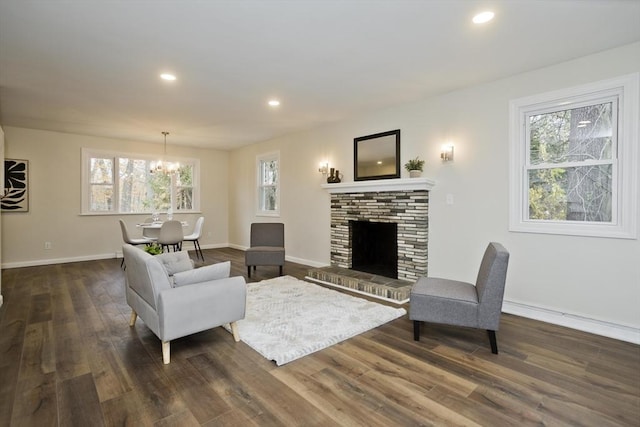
68	357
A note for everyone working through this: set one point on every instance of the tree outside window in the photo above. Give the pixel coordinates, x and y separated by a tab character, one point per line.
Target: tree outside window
570	165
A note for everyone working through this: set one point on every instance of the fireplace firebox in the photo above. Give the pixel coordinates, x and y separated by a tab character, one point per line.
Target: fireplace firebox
374	247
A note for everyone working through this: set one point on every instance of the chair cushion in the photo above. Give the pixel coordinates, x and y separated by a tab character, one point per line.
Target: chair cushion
207	273
446	289
264	255
175	262
444	301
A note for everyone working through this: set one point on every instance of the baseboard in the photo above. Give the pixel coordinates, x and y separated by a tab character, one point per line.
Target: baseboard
37	262
118	254
585	324
238	247
307	262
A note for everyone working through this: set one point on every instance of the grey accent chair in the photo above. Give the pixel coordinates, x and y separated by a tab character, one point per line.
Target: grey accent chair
195	237
457	303
266	246
175	300
171	235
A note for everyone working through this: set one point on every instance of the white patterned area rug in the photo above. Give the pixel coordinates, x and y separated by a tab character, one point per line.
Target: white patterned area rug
287	318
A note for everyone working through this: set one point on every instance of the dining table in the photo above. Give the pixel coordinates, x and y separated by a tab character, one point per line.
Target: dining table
152	229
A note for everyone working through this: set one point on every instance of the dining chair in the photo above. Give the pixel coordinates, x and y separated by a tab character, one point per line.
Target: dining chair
195	236
171	235
131	240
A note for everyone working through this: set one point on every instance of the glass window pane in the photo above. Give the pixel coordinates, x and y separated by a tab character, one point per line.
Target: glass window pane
184	177
571	194
572	135
159	192
132	185
185	198
101	198
101	171
268	198
269	172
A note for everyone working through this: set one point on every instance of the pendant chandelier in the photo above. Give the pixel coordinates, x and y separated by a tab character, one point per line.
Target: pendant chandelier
162	166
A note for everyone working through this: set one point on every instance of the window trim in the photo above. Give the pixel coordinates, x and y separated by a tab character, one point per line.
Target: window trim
274	155
88	153
625	188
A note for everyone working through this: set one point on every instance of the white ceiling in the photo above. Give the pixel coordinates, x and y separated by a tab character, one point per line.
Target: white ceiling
91	66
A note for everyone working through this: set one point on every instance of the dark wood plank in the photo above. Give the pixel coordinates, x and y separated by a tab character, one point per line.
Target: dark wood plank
38	355
36	401
78	402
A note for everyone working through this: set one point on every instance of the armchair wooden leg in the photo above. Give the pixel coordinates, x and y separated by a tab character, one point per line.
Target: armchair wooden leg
416	330
248	271
281	270
493	341
166	353
234	331
132	321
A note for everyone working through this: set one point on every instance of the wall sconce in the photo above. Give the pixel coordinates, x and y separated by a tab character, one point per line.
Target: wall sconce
447	153
324	168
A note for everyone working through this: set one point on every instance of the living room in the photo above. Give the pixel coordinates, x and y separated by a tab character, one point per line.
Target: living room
583	282
587	282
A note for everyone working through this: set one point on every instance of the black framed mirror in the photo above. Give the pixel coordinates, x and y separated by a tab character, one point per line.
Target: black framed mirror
377	156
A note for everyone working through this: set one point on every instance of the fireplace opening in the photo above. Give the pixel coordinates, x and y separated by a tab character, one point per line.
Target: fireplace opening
374	247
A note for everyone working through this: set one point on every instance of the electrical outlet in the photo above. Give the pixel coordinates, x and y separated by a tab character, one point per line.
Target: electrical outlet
47	245
209	234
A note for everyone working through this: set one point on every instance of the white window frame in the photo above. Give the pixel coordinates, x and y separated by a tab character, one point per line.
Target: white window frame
89	153
267	157
625	160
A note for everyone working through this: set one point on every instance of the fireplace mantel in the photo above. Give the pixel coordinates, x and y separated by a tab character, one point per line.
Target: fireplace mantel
379	185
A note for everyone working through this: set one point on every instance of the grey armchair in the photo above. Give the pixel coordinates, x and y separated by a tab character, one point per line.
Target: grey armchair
457	303
266	246
174	299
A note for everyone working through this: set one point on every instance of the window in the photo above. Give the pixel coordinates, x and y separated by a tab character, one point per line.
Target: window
574	160
123	183
268	184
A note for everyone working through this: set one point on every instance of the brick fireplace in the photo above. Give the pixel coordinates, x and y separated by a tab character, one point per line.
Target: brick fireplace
404	202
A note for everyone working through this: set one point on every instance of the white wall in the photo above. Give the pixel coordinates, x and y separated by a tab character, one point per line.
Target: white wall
593	280
54	199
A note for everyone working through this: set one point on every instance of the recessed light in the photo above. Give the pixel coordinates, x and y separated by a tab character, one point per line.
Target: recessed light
167	76
483	17
274	103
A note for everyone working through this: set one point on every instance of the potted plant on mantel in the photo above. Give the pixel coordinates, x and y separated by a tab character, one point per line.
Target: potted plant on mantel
414	167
